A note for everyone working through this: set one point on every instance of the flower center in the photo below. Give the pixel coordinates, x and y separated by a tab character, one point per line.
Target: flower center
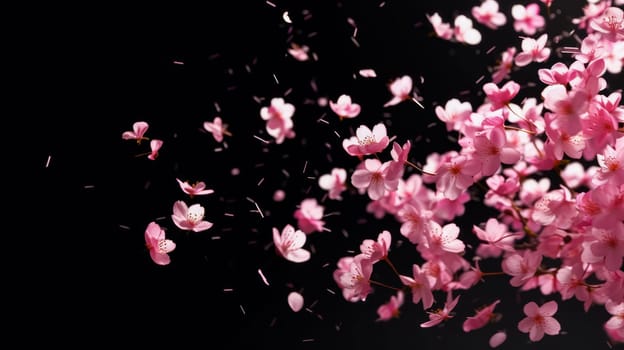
368	140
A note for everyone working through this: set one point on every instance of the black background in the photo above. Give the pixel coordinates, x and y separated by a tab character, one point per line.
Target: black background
97	70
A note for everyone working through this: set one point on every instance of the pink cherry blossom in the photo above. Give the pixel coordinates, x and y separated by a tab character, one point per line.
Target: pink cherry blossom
481	318
521	266
355	279
527	19
611	23
157	244
344	107
502	70
334	183
400	89
155	146
500	97
539	320
440	316
278	118
189	218
615	324
444	238
295	301
196	189
533	51
376	178
390	309
609	244
420	285
442	29
463	32
309	215
488	15
138	130
367	141
217	129
376	250
289	244
611	164
454	113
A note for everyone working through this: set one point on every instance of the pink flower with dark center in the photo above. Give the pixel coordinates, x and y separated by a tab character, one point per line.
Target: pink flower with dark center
481	318
375	178
289	244
500	98
157	244
376	250
539	320
189	218
611	23
367	141
533	51
440	316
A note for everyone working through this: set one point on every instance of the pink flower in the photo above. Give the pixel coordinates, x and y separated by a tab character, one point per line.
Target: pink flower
158	246
376	250
189	218
420	285
533	51
488	15
444	239
390	309
355	279
289	244
279	119
367	142
155	146
527	19
309	216
440	316
539	320
615	324
442	29
375	178
503	69
454	113
368	73
344	108
481	318
522	266
464	32
611	23
500	98
400	89
138	130
335	183
197	189
217	129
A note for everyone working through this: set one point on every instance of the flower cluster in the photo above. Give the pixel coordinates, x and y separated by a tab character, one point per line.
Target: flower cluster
550	165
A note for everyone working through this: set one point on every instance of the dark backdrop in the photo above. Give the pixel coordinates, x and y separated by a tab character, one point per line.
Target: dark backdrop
100	69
